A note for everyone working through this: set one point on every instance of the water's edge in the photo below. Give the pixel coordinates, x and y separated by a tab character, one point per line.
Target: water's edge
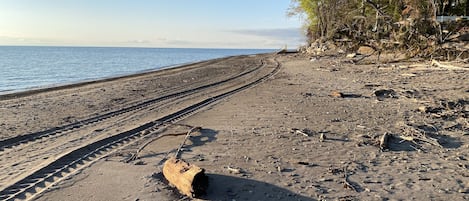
11	94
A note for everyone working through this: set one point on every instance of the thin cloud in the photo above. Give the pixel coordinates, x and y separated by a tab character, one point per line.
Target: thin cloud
289	34
139	41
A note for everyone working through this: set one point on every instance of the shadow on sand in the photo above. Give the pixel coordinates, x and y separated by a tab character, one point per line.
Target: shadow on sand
223	187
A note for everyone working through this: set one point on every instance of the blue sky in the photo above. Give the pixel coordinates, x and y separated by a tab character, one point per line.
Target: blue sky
150	23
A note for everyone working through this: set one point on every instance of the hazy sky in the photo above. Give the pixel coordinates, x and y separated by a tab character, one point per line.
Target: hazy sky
149	23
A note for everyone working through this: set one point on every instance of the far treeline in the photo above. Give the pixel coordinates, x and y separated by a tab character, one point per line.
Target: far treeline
420	27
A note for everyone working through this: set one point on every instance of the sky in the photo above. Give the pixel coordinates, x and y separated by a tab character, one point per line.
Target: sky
261	24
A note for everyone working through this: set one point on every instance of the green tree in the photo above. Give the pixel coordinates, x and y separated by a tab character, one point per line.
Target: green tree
409	24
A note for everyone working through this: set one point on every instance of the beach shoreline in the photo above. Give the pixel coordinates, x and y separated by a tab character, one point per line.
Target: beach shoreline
311	131
10	94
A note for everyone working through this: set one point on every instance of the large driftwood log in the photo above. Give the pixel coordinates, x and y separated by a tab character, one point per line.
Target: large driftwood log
189	179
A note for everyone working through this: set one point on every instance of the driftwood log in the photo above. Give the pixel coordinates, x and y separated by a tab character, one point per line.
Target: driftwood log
189	179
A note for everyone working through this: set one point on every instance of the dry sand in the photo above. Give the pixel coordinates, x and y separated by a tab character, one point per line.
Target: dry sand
271	133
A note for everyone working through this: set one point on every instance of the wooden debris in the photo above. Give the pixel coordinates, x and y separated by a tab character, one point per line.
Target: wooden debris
193	129
336	94
383	141
407	138
306	132
322	137
423	109
446	65
135	155
189	179
409	74
234	170
347	184
351	55
301	132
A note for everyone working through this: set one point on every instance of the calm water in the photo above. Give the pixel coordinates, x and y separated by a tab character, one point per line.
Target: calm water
24	68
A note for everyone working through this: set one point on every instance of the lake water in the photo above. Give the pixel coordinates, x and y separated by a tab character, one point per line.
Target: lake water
23	68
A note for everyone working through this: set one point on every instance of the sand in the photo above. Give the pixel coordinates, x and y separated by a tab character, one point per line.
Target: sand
311	132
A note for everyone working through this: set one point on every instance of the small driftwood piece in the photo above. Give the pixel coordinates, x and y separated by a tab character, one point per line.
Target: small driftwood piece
410	140
194	129
446	66
302	133
234	170
322	137
384	141
347	184
305	132
189	179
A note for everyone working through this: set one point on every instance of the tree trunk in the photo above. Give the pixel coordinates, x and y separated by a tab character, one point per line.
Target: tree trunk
466	12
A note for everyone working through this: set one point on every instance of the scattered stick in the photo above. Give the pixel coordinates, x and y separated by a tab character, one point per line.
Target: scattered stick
234	170
406	138
305	132
423	137
135	155
322	137
383	141
347	184
184	141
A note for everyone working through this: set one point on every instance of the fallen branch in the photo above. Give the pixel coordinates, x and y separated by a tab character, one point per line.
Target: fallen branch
184	141
135	155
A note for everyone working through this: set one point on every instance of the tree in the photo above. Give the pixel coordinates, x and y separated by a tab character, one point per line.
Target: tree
408	24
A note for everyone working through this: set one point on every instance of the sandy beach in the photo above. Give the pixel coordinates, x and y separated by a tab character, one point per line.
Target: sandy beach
274	127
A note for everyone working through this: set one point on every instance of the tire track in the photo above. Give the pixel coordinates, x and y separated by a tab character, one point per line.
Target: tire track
82	157
27	138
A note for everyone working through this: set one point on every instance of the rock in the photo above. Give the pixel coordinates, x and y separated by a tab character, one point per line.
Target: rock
385	93
365	50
